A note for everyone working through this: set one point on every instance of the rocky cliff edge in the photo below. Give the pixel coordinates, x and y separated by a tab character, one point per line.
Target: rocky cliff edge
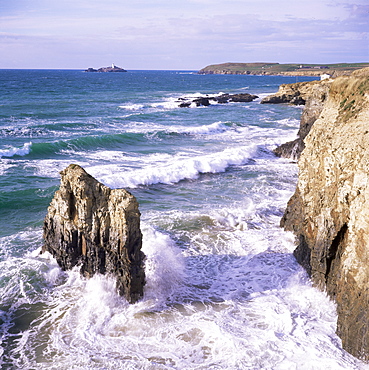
329	212
312	94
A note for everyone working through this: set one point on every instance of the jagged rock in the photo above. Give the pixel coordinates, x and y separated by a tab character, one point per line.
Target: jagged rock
220	99
296	93
91	225
329	212
242	98
313	107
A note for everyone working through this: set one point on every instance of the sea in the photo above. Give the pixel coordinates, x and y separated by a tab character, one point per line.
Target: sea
223	289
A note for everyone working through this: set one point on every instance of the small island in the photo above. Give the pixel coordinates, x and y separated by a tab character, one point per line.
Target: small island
112	68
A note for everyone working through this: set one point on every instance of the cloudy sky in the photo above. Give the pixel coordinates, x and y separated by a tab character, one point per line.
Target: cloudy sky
186	34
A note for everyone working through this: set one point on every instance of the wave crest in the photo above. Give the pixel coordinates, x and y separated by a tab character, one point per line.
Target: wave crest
13	151
176	169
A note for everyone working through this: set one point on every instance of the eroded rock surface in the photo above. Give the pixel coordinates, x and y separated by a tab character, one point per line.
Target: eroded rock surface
91	225
314	96
329	211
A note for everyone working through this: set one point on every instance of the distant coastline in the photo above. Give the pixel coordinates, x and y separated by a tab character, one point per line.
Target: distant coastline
277	69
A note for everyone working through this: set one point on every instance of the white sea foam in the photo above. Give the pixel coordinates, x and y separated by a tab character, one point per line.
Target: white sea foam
290	122
197	311
215	127
132	106
171	103
176	169
164	265
8	152
52	167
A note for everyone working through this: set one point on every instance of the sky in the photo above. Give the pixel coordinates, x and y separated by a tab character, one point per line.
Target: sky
180	35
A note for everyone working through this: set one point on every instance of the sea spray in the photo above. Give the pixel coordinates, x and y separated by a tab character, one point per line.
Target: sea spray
223	289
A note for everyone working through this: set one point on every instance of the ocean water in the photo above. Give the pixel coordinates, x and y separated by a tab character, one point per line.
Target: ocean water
223	288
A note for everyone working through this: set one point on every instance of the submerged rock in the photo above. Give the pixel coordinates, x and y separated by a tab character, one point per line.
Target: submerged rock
91	225
329	212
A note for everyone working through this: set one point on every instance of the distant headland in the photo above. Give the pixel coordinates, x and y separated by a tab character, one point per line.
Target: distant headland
334	70
112	68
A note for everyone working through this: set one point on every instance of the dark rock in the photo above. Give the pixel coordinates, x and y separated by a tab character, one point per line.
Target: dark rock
91	225
243	98
201	101
220	99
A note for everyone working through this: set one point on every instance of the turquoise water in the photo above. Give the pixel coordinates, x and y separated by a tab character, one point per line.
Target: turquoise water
223	289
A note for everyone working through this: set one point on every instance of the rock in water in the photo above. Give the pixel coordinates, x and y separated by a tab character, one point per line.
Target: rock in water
98	228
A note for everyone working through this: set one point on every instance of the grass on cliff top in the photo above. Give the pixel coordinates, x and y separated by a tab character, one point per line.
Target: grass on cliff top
277	68
353	95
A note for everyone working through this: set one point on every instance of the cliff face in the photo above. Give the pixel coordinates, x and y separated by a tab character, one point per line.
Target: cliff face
296	93
313	94
329	211
91	225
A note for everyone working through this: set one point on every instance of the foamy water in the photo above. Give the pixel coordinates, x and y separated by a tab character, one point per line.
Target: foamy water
223	289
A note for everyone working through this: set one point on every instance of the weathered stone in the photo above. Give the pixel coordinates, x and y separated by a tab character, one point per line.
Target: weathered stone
314	95
91	225
296	93
329	211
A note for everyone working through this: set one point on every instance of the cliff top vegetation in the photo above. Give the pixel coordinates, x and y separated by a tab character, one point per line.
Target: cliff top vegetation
282	69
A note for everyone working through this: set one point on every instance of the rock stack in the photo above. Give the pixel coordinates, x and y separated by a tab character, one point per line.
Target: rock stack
91	225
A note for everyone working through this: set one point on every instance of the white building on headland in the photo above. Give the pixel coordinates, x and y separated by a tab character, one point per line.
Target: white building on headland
325	76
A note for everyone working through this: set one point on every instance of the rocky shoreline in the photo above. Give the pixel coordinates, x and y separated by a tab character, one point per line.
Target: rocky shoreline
329	212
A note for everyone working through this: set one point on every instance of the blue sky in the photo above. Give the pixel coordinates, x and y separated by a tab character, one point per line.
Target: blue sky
187	34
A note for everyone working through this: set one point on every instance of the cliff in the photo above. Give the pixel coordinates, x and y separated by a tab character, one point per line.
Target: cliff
329	212
97	228
313	94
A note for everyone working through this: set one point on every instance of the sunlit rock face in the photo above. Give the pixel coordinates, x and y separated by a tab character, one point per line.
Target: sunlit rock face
329	211
91	225
312	94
